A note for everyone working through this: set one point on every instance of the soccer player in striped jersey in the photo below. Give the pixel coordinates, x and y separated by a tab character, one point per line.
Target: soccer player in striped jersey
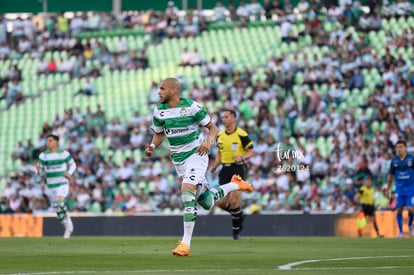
59	168
180	121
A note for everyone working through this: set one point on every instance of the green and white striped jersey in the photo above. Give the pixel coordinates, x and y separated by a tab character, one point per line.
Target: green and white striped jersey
181	126
56	165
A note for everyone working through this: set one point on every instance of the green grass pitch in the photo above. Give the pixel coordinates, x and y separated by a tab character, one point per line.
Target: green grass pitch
209	255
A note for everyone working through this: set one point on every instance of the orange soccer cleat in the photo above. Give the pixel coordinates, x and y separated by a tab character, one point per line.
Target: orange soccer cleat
181	250
243	185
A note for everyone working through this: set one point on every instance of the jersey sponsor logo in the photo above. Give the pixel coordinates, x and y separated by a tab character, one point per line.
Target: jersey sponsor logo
162	113
403	177
51	168
175	131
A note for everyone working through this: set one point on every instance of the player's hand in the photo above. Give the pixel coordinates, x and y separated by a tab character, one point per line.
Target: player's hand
238	158
387	192
212	169
148	151
68	176
203	148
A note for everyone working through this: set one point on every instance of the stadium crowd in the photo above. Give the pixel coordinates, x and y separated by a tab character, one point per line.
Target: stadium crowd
337	145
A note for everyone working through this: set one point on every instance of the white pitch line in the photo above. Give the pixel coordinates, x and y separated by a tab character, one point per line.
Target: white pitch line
356	267
281	267
290	265
167	271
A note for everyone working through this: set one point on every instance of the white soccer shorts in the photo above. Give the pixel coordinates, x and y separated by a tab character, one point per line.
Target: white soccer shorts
60	191
193	170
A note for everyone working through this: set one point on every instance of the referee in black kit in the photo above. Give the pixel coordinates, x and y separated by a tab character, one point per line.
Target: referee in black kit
234	148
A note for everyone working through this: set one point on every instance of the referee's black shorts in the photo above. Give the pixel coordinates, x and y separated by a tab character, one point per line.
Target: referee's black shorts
368	209
229	170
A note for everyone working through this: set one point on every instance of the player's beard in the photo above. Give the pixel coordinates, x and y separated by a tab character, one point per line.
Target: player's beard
164	99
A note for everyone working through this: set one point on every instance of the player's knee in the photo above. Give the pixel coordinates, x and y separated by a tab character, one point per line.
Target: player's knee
58	204
206	200
188	198
223	204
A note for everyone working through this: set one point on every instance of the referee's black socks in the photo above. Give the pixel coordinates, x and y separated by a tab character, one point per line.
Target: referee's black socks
237	219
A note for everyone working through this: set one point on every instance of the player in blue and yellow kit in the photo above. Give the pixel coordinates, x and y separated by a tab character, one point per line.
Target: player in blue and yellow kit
402	167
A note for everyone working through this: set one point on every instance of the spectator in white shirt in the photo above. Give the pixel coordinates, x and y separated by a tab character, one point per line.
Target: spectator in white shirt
18	29
196	58
255	9
303	6
9	190
68	65
137	139
42	66
334	13
220	12
214	67
242	11
153	96
124	174
226	67
190	27
121	45
285	29
24	45
4	50
76	25
161	184
83	200
87	89
172	10
93	21
186	58
303	125
282	181
257	181
343	3
3	29
29	28
364	22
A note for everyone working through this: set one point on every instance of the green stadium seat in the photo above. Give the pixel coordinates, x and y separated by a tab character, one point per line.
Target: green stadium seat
95	208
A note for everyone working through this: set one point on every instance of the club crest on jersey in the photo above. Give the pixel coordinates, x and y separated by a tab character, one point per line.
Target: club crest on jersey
183	111
410	163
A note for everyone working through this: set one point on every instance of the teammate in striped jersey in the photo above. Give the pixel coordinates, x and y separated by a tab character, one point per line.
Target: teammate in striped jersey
59	167
179	120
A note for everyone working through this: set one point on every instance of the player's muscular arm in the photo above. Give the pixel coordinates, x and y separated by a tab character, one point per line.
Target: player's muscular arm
216	163
389	182
249	153
212	133
156	141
